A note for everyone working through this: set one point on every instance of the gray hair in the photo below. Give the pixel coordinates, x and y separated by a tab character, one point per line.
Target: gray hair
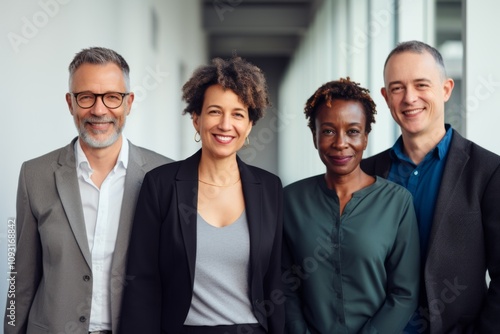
418	47
99	56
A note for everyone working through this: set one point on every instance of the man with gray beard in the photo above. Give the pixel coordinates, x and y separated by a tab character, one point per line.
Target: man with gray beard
75	208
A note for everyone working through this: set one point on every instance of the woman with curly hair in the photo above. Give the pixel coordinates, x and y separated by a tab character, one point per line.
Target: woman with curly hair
205	247
351	250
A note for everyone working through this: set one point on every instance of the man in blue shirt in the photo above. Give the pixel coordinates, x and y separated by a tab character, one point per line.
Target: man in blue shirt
455	185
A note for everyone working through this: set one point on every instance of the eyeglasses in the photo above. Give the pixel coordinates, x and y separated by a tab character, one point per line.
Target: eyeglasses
111	100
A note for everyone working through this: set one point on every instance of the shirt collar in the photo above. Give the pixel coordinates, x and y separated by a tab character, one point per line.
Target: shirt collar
444	144
83	165
440	151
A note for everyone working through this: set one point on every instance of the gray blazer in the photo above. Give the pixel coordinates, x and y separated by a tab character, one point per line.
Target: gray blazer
53	285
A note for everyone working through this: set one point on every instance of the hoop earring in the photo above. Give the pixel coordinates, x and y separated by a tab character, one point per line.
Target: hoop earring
199	137
248	141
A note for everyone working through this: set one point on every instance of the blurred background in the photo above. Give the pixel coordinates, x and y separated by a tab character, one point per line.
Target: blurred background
299	44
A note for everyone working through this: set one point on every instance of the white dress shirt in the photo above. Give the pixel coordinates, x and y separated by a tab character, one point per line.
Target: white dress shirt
101	210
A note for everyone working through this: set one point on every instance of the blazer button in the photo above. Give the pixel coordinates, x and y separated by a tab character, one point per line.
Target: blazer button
86	278
82	319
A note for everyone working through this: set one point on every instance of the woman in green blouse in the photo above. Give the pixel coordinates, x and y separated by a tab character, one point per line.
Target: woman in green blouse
351	250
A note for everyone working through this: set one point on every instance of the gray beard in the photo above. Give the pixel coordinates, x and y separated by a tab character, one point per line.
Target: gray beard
94	143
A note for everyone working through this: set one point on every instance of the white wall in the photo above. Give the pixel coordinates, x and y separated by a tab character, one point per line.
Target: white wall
482	73
40	38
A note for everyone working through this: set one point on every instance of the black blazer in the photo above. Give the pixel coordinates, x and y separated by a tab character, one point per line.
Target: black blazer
464	241
161	259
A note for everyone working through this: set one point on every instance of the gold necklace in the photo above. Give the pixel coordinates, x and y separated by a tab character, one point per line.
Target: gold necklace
216	185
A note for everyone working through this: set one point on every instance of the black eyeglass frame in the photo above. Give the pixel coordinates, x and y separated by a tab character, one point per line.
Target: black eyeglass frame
102	99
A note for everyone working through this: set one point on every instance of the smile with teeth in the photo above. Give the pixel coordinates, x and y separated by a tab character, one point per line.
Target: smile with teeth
412	112
223	139
99	127
99	124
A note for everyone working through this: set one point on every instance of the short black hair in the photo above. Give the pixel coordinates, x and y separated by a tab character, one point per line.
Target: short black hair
342	89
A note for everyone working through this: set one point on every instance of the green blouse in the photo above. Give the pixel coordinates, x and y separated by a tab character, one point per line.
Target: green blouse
355	273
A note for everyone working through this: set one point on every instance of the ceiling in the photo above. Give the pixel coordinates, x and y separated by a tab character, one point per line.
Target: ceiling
256	28
273	28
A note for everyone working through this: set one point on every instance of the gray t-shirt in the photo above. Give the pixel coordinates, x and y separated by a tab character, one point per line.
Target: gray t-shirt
221	292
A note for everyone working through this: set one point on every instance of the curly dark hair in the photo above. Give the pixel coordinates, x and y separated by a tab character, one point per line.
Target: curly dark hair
342	89
243	78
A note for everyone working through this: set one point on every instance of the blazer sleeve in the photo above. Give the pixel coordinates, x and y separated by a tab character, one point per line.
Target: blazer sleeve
402	266
488	321
141	305
26	272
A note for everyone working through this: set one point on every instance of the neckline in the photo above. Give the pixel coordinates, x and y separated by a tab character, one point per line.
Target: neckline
221	227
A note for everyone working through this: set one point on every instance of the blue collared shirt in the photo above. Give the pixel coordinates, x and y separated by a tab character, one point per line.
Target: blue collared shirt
423	182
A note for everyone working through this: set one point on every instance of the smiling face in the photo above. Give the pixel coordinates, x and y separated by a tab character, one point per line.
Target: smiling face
415	91
223	123
340	136
99	126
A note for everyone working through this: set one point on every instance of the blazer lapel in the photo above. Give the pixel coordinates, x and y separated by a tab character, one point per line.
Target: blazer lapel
252	192
187	199
187	194
455	165
69	193
133	181
383	167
